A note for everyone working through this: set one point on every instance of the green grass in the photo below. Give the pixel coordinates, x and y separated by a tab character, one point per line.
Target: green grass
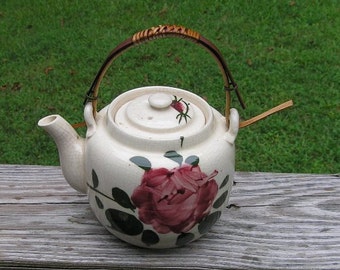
50	52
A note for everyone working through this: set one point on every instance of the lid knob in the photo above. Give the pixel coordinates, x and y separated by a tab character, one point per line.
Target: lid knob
160	100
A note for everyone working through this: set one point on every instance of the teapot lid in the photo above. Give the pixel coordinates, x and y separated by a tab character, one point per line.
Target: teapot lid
159	113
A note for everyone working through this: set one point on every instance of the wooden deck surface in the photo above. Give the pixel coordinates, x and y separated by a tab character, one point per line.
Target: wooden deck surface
273	221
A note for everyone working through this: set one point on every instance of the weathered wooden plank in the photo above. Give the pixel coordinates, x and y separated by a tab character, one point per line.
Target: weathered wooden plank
35	184
274	221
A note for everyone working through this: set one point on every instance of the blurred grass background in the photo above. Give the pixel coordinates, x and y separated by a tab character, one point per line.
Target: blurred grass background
278	50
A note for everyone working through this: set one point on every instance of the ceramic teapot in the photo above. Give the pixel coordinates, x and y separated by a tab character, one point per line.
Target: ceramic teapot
158	162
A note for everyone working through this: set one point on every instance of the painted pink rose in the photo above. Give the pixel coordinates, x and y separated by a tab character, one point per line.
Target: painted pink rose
175	200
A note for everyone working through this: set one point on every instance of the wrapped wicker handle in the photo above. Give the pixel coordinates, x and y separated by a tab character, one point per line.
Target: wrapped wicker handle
164	31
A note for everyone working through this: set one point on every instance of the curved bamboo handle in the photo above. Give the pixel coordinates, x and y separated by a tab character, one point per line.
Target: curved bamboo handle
164	31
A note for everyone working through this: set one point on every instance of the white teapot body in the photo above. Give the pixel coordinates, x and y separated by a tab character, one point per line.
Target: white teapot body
155	186
156	192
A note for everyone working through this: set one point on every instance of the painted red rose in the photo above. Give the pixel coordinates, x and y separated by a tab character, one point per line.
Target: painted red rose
175	200
177	105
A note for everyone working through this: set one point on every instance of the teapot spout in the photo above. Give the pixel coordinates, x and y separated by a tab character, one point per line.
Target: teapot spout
70	147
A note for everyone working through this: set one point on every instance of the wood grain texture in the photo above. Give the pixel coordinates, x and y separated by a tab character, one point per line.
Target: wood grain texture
273	221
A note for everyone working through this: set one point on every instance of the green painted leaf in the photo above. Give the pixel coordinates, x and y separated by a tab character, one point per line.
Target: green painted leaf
150	237
173	155
99	203
184	238
124	222
141	162
192	160
208	222
122	198
225	181
95	180
218	203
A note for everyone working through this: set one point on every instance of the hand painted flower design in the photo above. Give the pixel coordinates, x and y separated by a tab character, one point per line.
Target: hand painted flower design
182	107
177	199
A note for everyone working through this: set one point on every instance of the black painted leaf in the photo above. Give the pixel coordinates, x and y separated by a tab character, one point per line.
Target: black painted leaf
225	181
95	179
192	160
218	203
141	162
173	155
124	222
150	237
120	197
184	238
208	222
99	203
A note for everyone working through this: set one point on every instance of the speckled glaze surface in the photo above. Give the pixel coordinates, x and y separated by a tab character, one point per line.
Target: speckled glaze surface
157	164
